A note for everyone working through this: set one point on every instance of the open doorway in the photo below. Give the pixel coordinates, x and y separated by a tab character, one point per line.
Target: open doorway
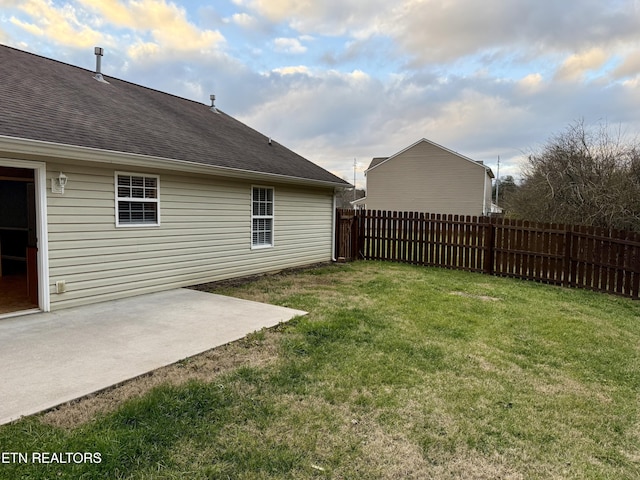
18	240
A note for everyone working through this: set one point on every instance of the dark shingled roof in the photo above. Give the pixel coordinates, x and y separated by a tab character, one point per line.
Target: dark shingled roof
43	99
377	161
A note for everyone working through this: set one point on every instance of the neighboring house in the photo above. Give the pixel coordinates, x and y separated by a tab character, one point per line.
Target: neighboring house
110	189
427	177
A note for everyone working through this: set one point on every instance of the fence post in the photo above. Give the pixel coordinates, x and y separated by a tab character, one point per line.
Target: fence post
489	240
346	235
568	253
355	236
338	230
635	262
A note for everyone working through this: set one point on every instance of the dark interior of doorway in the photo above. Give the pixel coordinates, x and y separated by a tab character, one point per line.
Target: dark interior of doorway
18	264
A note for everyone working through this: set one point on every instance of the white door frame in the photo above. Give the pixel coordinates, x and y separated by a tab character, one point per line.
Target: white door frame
40	181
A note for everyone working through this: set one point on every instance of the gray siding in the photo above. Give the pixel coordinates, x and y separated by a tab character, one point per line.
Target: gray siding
205	234
430	179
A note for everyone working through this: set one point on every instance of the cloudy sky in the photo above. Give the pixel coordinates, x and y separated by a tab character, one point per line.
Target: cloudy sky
338	80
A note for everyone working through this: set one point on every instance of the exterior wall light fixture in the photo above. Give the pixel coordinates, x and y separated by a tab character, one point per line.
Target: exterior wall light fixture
58	183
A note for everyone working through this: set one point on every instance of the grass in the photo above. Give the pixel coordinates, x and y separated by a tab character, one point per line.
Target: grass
397	372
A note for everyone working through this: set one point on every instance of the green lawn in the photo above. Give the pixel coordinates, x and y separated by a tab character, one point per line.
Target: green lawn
397	372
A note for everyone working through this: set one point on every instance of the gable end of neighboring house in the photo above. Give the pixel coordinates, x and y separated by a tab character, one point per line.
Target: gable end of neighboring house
110	190
428	177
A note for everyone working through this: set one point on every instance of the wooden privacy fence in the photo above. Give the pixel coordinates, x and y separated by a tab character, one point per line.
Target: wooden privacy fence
568	255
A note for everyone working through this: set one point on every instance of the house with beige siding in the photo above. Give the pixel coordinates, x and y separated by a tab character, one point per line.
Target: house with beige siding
427	177
110	189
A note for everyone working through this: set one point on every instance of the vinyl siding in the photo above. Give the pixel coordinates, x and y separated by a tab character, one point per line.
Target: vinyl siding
204	234
430	179
487	194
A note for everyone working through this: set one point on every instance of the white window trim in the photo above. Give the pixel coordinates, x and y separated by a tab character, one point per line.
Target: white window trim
272	217
142	200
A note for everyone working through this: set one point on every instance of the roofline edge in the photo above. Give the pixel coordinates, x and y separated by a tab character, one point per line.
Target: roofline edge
464	157
46	149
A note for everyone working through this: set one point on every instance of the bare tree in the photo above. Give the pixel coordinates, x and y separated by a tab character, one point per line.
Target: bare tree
588	176
346	196
505	187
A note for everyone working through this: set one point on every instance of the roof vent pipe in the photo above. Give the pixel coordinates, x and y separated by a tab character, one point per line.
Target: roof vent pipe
98	76
213	107
99	52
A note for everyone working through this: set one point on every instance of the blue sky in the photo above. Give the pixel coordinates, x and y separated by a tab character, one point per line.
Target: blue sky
343	79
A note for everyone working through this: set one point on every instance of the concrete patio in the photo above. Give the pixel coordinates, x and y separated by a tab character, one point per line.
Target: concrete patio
51	358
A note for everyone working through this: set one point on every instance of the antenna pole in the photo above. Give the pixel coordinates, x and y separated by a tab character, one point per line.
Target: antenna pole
498	181
355	164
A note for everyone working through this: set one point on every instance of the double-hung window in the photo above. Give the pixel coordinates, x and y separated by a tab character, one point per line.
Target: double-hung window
261	217
137	200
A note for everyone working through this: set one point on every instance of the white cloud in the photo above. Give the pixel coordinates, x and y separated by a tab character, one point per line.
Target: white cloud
482	78
166	22
630	66
328	17
29	27
243	19
312	104
142	50
58	24
84	23
436	31
289	45
299	70
532	83
632	83
480	112
433	31
576	66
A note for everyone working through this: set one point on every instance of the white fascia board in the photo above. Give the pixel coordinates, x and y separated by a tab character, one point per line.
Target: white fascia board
42	150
